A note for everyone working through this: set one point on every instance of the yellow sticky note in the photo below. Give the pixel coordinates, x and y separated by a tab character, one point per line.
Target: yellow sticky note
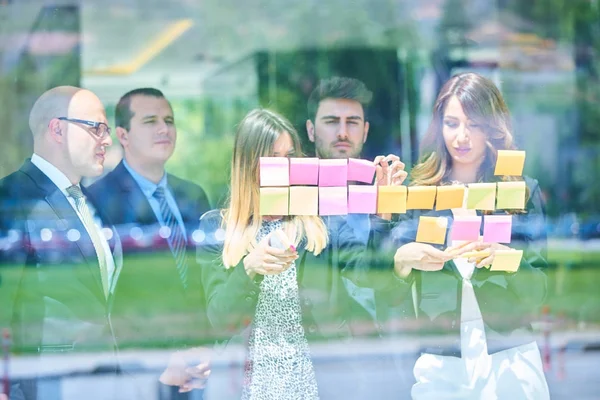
507	260
274	200
391	199
420	197
449	197
481	196
304	200
510	162
432	230
511	195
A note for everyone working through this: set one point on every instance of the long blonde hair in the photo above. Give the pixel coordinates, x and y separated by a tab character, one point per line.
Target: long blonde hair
482	102
255	137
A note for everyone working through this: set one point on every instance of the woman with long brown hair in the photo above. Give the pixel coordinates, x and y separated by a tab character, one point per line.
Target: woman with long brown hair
284	297
470	123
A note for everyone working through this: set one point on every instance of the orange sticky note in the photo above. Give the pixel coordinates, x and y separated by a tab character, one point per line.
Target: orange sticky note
421	197
507	260
481	196
510	162
391	199
449	197
432	230
511	195
304	200
274	200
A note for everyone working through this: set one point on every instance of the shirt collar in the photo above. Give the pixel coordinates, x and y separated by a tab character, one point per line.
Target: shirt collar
54	174
148	187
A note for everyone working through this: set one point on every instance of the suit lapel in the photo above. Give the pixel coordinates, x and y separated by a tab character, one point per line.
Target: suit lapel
64	211
138	203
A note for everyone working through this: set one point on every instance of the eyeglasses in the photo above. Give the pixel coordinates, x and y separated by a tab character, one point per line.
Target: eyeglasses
98	129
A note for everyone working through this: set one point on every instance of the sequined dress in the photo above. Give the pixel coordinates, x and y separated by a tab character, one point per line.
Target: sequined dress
279	363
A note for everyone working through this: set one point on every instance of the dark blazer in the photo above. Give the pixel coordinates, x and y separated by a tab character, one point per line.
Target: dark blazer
506	300
51	291
328	311
120	197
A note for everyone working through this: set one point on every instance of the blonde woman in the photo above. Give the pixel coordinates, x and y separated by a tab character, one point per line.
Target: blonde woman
470	123
285	298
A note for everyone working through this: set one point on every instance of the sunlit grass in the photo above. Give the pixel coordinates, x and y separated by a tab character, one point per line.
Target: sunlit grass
572	291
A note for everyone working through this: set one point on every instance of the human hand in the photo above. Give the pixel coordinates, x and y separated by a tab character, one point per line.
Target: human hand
3	396
478	252
188	369
268	260
389	174
420	256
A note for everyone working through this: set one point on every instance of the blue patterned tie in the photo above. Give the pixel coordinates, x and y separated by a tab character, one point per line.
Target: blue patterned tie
176	238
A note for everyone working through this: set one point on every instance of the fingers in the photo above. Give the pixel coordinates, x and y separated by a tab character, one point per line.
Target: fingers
378	160
381	172
469	247
280	253
200	371
277	257
191	385
457	247
485	262
389	170
399	177
390	158
431	265
438	255
472	256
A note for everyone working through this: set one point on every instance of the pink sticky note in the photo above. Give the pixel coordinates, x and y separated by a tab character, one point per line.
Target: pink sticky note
361	170
333	172
466	228
362	199
333	200
304	171
497	228
274	171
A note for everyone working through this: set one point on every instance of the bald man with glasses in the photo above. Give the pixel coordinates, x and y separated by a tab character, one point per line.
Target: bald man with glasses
58	287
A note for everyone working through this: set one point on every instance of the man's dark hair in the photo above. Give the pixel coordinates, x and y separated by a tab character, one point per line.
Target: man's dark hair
123	112
338	88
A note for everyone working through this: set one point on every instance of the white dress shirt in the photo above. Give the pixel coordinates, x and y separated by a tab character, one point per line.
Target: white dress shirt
62	182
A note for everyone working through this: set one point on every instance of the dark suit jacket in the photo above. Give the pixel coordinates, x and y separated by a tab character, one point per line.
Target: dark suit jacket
51	291
147	303
506	300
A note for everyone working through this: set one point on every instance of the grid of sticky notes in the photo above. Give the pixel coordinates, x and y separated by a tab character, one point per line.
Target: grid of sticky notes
477	196
313	186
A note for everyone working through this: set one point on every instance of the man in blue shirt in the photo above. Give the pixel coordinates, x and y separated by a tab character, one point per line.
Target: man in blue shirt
338	126
155	210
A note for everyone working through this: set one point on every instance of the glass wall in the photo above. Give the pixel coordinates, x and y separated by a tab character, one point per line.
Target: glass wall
214	62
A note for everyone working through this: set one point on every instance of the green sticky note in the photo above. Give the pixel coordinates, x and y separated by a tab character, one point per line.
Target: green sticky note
274	200
511	195
481	196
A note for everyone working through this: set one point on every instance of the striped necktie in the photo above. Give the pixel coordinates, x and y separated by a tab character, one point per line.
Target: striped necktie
175	235
86	217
